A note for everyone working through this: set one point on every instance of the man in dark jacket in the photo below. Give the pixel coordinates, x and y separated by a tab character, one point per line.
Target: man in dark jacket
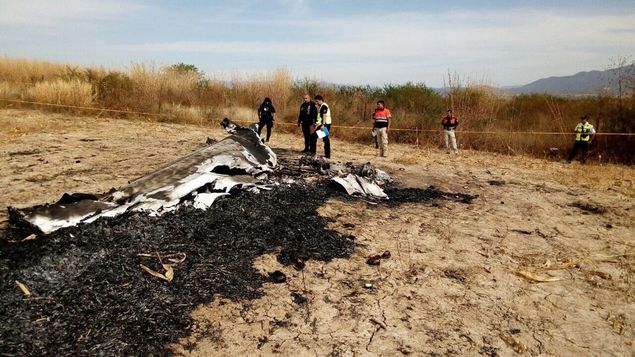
306	119
266	117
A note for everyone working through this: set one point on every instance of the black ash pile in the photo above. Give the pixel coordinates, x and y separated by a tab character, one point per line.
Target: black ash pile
90	296
418	195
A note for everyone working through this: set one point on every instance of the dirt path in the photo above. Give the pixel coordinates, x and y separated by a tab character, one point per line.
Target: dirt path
450	286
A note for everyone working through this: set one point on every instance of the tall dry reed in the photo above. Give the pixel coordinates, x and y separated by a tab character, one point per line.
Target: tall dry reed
67	92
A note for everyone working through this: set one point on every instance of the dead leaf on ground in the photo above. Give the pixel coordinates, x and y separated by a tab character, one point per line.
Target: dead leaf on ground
30	237
601	274
514	343
569	263
609	257
169	272
23	287
175	258
547	264
536	277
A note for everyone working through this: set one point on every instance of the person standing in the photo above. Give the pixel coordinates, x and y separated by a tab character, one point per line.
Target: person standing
584	135
266	117
323	121
450	122
381	118
306	119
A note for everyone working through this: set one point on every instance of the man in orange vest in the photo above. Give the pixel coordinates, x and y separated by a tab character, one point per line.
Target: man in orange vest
450	122
381	117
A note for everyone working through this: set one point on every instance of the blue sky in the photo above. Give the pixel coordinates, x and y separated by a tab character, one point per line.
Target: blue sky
347	42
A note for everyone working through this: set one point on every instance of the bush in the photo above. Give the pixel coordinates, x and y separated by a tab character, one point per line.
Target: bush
114	90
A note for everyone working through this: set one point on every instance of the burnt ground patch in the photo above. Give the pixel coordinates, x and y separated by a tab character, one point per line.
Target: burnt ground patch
93	298
418	195
90	296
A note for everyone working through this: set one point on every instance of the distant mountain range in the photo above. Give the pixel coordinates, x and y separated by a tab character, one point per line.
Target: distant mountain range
582	83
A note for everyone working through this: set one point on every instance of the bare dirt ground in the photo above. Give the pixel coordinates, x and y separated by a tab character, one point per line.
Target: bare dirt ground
451	285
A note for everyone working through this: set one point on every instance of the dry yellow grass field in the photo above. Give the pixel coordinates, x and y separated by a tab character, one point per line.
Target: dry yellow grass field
452	285
181	93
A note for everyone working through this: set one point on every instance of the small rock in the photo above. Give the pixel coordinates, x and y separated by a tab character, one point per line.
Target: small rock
298	298
374	260
278	277
299	264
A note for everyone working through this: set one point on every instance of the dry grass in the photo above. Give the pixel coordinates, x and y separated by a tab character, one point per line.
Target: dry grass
59	91
153	86
250	90
186	95
241	114
178	113
21	70
9	90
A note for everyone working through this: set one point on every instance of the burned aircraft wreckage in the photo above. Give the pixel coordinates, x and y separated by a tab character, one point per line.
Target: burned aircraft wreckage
100	289
240	161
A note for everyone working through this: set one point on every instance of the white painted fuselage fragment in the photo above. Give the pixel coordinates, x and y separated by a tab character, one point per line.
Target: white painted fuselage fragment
198	179
357	185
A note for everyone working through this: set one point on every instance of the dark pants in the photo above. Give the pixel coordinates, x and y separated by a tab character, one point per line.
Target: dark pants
582	146
313	143
268	124
306	131
327	143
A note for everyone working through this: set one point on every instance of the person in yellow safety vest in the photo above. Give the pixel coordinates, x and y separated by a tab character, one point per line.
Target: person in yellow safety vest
584	134
323	120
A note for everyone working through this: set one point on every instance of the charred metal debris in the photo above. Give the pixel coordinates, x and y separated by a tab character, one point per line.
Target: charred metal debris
120	273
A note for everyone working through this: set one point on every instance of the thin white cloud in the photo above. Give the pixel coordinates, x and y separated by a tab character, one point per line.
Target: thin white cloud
422	36
510	47
46	13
